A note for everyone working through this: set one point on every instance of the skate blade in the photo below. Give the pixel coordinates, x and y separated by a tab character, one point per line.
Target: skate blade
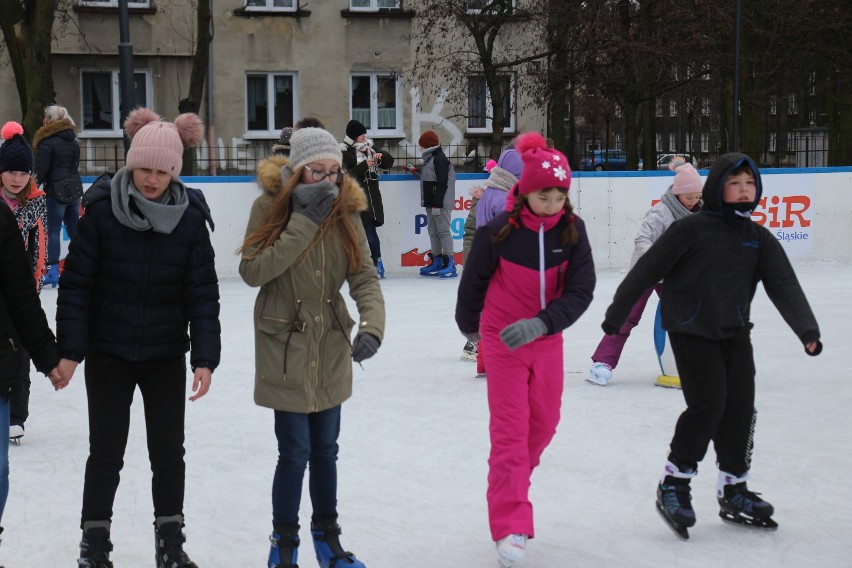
668	382
468	357
681	531
14	442
743	521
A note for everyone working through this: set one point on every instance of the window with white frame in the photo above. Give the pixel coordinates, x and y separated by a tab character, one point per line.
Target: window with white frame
812	81
479	6
271	102
99	92
672	142
705	72
658	143
374	5
272	5
773	105
773	141
114	3
688	140
672	107
812	115
704	138
674	72
658	108
479	106
618	112
705	106
792	106
375	101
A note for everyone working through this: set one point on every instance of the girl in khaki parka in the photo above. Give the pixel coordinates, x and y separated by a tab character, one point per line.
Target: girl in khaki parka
304	240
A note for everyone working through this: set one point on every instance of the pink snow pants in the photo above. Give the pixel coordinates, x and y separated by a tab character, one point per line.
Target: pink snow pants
524	397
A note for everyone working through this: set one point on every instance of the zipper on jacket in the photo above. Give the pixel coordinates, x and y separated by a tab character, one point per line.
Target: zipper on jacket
290	334
541	265
142	295
12	343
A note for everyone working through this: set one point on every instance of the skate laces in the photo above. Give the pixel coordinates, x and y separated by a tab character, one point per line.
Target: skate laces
676	497
742	498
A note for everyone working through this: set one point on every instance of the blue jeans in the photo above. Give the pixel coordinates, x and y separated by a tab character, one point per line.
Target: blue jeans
4	452
373	240
305	439
57	214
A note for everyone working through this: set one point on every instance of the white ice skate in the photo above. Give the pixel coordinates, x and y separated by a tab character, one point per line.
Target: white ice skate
511	549
600	374
16	432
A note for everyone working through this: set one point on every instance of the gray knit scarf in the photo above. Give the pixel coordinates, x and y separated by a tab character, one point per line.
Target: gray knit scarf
674	205
162	215
501	179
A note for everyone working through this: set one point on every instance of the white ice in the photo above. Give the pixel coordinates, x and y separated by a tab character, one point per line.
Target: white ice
414	447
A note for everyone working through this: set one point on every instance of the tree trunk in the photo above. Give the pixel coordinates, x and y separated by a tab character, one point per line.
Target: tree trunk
198	78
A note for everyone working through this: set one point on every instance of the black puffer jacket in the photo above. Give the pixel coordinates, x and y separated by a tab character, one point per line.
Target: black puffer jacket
22	321
368	181
57	153
132	294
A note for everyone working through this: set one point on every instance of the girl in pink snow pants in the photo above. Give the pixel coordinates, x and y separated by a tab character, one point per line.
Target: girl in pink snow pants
529	276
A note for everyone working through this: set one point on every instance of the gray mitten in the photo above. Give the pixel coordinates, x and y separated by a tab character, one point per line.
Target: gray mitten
315	200
364	346
522	332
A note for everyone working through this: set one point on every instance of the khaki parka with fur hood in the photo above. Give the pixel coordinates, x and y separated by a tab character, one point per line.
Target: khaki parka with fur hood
302	326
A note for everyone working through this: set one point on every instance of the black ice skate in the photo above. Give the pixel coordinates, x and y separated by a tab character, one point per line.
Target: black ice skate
168	542
95	547
739	506
674	505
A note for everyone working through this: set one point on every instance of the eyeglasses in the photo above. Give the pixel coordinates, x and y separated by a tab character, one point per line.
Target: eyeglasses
318	176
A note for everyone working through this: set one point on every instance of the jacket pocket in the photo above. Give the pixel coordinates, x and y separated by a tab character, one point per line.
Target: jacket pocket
281	351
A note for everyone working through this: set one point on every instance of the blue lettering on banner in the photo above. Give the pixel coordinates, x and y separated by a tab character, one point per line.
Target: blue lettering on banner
420	222
791	236
457	228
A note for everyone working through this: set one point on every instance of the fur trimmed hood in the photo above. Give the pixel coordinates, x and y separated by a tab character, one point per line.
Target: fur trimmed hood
50	129
269	180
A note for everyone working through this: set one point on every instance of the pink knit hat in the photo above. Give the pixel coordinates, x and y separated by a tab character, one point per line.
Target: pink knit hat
159	145
544	167
686	179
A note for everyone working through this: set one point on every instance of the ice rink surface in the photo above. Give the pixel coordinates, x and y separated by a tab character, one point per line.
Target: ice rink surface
414	446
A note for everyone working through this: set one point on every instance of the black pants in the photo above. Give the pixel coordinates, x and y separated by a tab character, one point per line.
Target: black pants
19	405
718	385
110	384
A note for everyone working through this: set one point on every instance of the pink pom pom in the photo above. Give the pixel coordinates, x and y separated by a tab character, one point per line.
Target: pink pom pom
490	165
676	162
10	129
530	141
137	119
190	128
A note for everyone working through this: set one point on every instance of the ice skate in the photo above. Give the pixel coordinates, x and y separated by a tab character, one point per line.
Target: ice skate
511	549
330	554
469	352
600	374
739	506
284	547
674	502
449	269
435	264
380	268
168	542
95	546
16	432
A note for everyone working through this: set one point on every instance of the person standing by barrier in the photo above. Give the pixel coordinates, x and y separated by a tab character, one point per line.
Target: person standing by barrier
304	242
138	291
681	199
437	195
57	169
27	202
530	276
362	160
23	325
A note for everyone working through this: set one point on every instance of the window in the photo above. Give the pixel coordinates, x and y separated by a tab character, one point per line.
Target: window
705	72
272	5
674	72
688	142
773	105
271	102
812	81
672	142
479	106
773	141
658	108
705	106
479	6
114	3
374	101
618	112
672	107
704	138
371	5
658	143
102	101
792	107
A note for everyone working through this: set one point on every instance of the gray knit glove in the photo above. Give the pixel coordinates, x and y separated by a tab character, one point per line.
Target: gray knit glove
364	346
314	201
522	332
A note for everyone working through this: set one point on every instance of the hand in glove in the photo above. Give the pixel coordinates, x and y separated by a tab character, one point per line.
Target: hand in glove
522	332
314	201
473	337
609	329
364	346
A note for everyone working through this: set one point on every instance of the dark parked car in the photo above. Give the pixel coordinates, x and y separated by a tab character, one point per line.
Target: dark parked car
600	160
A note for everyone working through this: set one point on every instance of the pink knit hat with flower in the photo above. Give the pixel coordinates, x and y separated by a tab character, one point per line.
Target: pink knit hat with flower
544	167
159	145
686	178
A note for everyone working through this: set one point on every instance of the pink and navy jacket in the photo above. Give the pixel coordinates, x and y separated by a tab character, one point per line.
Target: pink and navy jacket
529	274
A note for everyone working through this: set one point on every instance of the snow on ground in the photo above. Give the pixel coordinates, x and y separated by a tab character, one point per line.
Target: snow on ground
414	447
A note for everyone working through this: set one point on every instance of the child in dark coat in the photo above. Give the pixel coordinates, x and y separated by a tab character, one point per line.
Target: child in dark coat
711	263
